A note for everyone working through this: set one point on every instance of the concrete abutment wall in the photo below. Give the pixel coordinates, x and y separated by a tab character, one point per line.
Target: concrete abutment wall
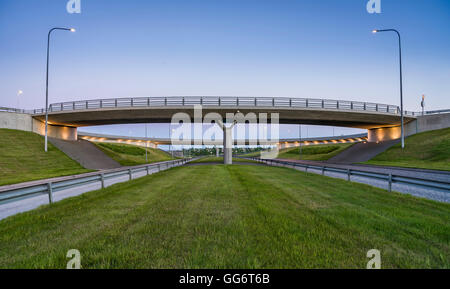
26	122
421	124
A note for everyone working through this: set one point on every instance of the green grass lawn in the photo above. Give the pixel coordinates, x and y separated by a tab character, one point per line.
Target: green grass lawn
314	153
131	155
428	150
22	158
220	160
231	217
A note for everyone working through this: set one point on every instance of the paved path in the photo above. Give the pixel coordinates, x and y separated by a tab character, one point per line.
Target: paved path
428	193
86	153
362	152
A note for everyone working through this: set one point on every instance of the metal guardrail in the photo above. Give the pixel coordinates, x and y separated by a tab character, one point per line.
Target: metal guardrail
389	178
49	188
226	101
16	110
233	101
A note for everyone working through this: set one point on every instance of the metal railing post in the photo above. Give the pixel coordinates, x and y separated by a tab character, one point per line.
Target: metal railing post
348	174
50	193
390	182
102	179
130	174
323	171
147	169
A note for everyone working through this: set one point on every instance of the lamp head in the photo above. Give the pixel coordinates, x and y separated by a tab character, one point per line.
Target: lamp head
374	31
72	30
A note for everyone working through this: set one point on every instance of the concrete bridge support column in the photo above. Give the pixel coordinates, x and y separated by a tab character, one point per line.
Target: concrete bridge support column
227	145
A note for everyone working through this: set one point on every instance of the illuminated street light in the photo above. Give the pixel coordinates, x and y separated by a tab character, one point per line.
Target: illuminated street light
46	83
401	79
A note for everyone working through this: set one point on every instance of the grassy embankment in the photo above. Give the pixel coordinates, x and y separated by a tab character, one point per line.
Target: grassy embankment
22	158
311	153
427	150
131	155
231	217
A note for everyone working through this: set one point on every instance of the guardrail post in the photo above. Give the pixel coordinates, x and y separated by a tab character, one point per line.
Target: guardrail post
351	105
273	101
376	107
102	179
129	173
390	182
349	173
306	103
147	169
115	102
364	106
50	193
306	169
323	171
323	104
159	167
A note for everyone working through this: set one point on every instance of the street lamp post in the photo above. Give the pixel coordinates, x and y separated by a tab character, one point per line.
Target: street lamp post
46	83
300	136
146	144
401	79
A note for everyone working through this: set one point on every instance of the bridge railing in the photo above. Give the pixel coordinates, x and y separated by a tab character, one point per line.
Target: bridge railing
224	101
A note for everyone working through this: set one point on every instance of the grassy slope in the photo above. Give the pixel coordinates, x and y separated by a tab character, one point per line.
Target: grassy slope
312	153
428	150
131	155
231	217
22	158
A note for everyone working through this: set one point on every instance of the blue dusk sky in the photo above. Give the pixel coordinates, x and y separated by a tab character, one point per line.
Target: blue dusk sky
302	48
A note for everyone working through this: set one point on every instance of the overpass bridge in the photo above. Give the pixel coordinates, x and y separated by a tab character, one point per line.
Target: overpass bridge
381	120
281	143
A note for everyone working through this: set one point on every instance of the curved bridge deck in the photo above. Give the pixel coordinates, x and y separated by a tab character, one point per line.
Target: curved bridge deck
161	109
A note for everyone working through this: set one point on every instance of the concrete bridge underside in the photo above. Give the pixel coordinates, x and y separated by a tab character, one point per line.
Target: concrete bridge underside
381	126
